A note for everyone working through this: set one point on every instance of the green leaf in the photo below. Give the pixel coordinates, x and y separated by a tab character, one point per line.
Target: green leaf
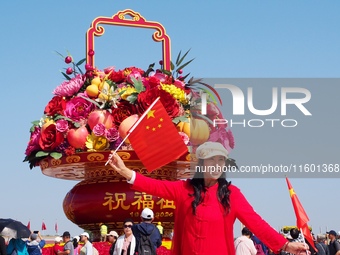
213	90
80	71
81	61
58	117
186	76
122	92
61	55
181	60
204	117
76	124
178	57
56	155
184	65
138	84
111	83
35	123
132	98
166	72
92	101
210	95
41	154
180	119
172	66
66	76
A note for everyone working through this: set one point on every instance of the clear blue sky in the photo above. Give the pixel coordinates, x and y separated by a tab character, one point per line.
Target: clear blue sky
242	39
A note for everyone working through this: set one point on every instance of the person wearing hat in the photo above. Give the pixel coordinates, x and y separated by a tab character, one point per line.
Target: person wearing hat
146	228
57	247
321	246
103	232
76	245
87	248
68	246
35	244
112	238
334	245
160	228
207	206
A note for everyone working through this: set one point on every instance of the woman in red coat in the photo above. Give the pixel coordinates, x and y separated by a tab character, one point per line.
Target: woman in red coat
207	206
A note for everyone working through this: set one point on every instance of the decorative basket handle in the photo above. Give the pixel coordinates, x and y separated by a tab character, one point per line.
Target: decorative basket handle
135	20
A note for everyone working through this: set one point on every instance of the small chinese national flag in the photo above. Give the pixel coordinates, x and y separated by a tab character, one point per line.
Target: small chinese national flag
301	216
29	225
155	138
43	226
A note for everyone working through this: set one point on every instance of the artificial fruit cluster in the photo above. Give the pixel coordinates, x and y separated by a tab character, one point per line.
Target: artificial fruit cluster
94	109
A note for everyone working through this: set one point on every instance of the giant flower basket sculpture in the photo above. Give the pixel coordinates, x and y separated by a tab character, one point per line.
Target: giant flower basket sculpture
90	114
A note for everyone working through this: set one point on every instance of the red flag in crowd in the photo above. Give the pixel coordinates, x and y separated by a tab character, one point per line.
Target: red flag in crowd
29	225
56	227
155	138
301	216
43	226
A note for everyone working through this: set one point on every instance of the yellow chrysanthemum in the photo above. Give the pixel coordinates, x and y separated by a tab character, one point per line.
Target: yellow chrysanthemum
176	92
128	90
96	143
127	71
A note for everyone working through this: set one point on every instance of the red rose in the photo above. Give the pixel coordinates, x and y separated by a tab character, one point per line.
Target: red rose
50	138
117	77
133	69
124	109
56	105
170	104
153	81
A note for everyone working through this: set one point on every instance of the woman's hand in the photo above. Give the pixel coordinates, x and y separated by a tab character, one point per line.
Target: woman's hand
118	165
297	248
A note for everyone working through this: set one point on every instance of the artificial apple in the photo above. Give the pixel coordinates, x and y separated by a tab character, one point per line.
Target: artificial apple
100	116
77	137
126	125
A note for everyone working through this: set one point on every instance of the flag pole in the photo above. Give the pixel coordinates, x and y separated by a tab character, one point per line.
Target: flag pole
303	240
133	127
143	116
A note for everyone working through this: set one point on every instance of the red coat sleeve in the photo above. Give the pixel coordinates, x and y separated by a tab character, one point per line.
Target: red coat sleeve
247	215
171	190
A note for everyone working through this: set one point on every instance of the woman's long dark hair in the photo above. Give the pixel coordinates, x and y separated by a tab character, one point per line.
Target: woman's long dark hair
223	192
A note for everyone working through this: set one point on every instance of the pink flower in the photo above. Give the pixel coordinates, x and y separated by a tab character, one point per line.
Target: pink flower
33	144
69	88
111	134
161	77
62	125
224	137
134	74
78	109
109	69
179	84
99	129
184	137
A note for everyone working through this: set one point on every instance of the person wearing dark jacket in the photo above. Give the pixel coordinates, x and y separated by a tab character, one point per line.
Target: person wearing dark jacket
34	247
147	228
2	246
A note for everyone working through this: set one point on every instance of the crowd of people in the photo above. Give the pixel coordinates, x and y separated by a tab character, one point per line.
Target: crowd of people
206	208
142	238
249	244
